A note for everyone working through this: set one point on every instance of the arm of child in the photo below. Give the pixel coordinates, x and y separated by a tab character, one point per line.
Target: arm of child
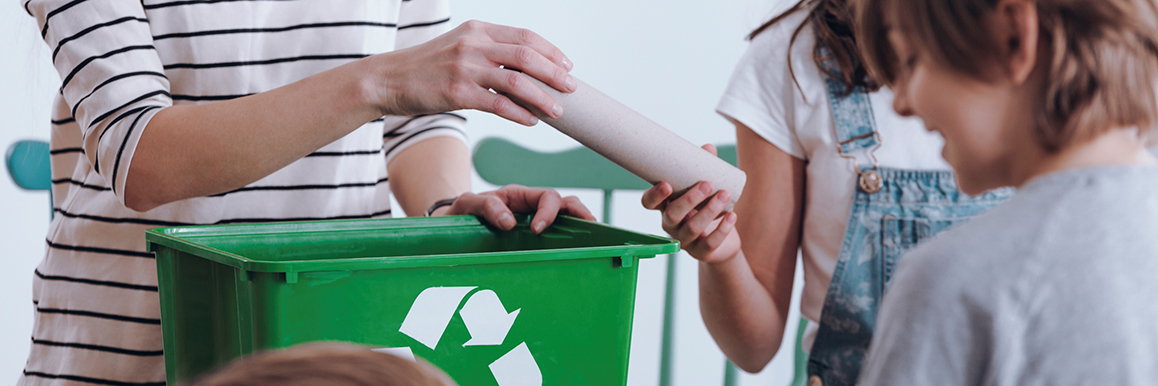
745	290
431	170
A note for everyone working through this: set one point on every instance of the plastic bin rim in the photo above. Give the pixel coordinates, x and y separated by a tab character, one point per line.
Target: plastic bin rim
168	237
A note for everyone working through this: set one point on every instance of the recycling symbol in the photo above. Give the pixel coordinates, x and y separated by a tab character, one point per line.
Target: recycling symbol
487	322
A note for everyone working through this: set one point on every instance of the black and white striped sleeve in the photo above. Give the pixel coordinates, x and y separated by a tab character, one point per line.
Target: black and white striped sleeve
112	78
420	21
401	132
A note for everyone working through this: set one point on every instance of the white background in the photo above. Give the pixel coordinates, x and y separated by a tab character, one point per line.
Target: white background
670	60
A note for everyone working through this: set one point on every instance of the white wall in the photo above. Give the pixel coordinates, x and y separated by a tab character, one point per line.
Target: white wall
27	84
670	60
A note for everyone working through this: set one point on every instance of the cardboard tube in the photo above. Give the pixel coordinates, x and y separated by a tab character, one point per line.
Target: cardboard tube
638	144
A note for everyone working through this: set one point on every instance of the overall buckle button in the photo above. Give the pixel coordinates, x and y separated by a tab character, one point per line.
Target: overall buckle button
870	182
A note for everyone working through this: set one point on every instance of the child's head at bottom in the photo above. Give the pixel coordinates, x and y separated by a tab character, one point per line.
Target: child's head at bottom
1016	86
331	364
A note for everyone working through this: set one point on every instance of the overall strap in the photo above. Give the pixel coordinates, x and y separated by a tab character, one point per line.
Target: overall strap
852	114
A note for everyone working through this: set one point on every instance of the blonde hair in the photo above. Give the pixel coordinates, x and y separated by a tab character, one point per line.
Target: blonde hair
330	364
1102	56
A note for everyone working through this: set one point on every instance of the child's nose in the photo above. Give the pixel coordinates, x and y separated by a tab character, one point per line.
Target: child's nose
901	103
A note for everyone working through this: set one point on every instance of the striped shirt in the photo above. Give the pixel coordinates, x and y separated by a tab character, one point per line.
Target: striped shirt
120	62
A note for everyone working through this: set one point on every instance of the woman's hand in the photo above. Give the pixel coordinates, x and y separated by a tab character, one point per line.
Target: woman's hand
459	70
498	206
697	219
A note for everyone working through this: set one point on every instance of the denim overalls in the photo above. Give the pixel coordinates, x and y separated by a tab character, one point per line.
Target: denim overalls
892	211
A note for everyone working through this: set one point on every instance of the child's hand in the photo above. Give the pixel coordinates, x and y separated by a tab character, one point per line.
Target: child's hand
695	219
497	206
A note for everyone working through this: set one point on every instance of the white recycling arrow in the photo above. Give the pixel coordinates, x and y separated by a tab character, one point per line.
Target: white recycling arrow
486	319
517	368
431	312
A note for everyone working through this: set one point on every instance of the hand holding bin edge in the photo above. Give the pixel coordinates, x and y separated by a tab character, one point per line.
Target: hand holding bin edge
637	143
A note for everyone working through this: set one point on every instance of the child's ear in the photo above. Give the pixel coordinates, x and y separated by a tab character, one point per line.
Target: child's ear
1015	30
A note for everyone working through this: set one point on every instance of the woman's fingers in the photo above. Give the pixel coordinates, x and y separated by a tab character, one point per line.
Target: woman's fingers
525	51
525	37
517	86
575	208
527	60
547	208
492	208
498	207
500	105
547	205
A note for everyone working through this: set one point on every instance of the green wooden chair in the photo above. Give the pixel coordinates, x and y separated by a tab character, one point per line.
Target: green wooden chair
28	165
800	359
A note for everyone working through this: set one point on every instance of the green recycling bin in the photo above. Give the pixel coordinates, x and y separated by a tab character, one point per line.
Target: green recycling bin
489	307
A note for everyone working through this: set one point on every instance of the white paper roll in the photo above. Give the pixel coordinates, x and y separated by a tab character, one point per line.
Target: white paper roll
638	144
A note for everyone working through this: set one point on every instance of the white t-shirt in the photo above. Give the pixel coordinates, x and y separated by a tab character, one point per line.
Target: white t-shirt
95	294
762	96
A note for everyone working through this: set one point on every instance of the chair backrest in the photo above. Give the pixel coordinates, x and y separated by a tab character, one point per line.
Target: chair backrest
502	162
28	165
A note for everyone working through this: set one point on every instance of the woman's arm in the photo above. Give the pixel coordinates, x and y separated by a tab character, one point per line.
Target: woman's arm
193	151
418	179
745	290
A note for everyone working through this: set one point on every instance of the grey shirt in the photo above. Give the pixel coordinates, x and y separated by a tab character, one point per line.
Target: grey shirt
1058	286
